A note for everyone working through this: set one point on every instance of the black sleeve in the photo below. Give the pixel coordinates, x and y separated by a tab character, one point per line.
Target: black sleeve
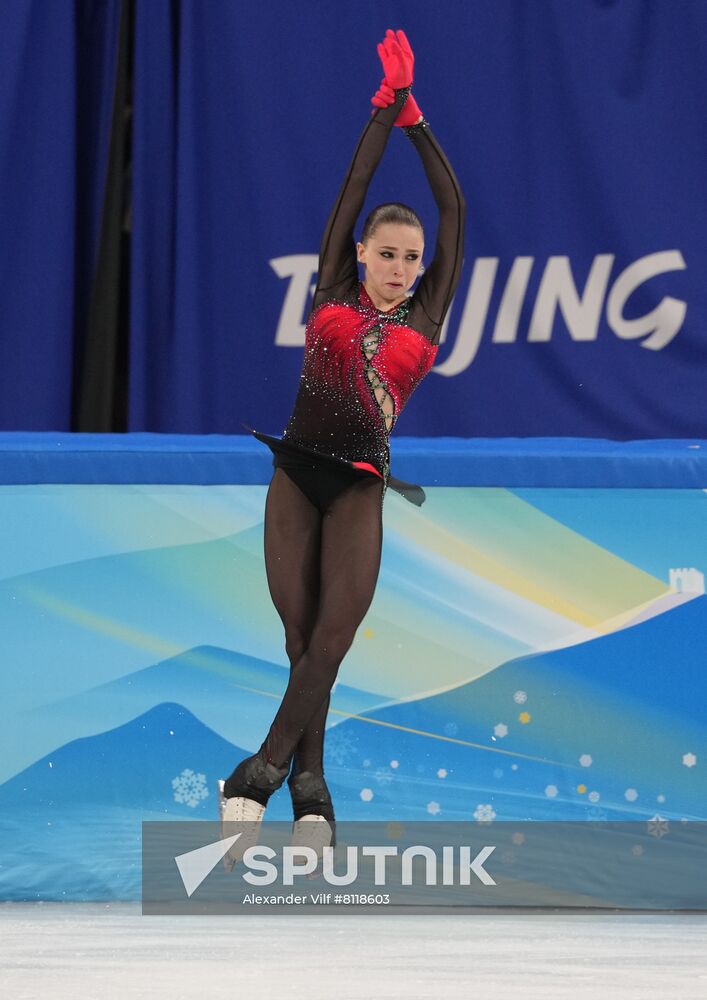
338	270
434	292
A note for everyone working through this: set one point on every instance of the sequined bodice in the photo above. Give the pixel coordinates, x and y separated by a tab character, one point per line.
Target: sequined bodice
360	368
361	365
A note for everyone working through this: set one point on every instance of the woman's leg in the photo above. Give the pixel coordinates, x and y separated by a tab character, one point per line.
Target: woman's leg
292	556
351	543
292	560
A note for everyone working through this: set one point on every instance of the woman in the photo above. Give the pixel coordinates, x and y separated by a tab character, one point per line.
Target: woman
367	346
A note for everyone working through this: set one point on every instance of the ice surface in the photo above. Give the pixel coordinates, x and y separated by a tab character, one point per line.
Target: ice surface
95	951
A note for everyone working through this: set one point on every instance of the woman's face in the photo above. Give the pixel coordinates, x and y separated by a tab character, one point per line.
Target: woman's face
392	257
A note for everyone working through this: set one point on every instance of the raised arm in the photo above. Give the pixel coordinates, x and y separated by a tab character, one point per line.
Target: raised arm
435	290
433	295
338	270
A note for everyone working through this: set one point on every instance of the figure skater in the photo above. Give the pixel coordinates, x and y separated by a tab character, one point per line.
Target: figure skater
367	347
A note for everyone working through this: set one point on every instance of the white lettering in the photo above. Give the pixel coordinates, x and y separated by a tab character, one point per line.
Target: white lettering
379	855
581	312
557	287
477	865
665	320
328	866
250	858
290	869
506	326
471	325
419	850
299	268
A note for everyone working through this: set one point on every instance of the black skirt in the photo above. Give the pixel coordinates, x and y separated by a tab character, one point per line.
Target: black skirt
286	451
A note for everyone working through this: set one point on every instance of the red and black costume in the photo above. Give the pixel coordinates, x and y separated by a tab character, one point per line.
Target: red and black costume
340	426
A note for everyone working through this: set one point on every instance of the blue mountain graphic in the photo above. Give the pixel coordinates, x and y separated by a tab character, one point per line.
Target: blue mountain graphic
131	766
232	693
634	722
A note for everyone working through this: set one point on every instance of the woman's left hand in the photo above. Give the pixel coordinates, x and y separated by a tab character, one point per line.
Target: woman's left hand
397	58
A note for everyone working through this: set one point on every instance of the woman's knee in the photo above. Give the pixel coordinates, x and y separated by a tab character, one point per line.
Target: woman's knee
296	643
331	641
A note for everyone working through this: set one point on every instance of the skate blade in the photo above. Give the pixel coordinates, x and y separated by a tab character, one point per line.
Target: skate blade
228	863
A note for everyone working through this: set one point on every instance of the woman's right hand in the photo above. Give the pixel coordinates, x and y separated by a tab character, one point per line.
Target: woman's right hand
385	96
397	59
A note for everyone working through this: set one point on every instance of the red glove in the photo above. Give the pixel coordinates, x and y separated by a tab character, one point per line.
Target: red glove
397	58
410	114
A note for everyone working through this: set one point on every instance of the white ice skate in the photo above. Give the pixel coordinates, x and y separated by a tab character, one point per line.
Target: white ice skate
248	814
312	831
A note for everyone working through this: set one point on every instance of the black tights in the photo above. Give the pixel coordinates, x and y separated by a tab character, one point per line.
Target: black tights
322	570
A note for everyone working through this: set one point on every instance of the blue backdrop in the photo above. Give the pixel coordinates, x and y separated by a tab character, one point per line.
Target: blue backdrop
577	130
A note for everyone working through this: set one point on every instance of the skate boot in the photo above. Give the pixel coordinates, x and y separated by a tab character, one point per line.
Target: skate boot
314	823
228	861
242	801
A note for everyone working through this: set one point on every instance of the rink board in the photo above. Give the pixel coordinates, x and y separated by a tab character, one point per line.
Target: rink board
534	649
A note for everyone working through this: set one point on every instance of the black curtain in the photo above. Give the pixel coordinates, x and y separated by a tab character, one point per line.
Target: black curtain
100	378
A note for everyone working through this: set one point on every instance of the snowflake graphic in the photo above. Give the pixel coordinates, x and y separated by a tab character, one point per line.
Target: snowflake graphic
451	729
340	744
484	813
520	697
658	826
433	808
586	760
190	788
384	776
500	729
689	759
